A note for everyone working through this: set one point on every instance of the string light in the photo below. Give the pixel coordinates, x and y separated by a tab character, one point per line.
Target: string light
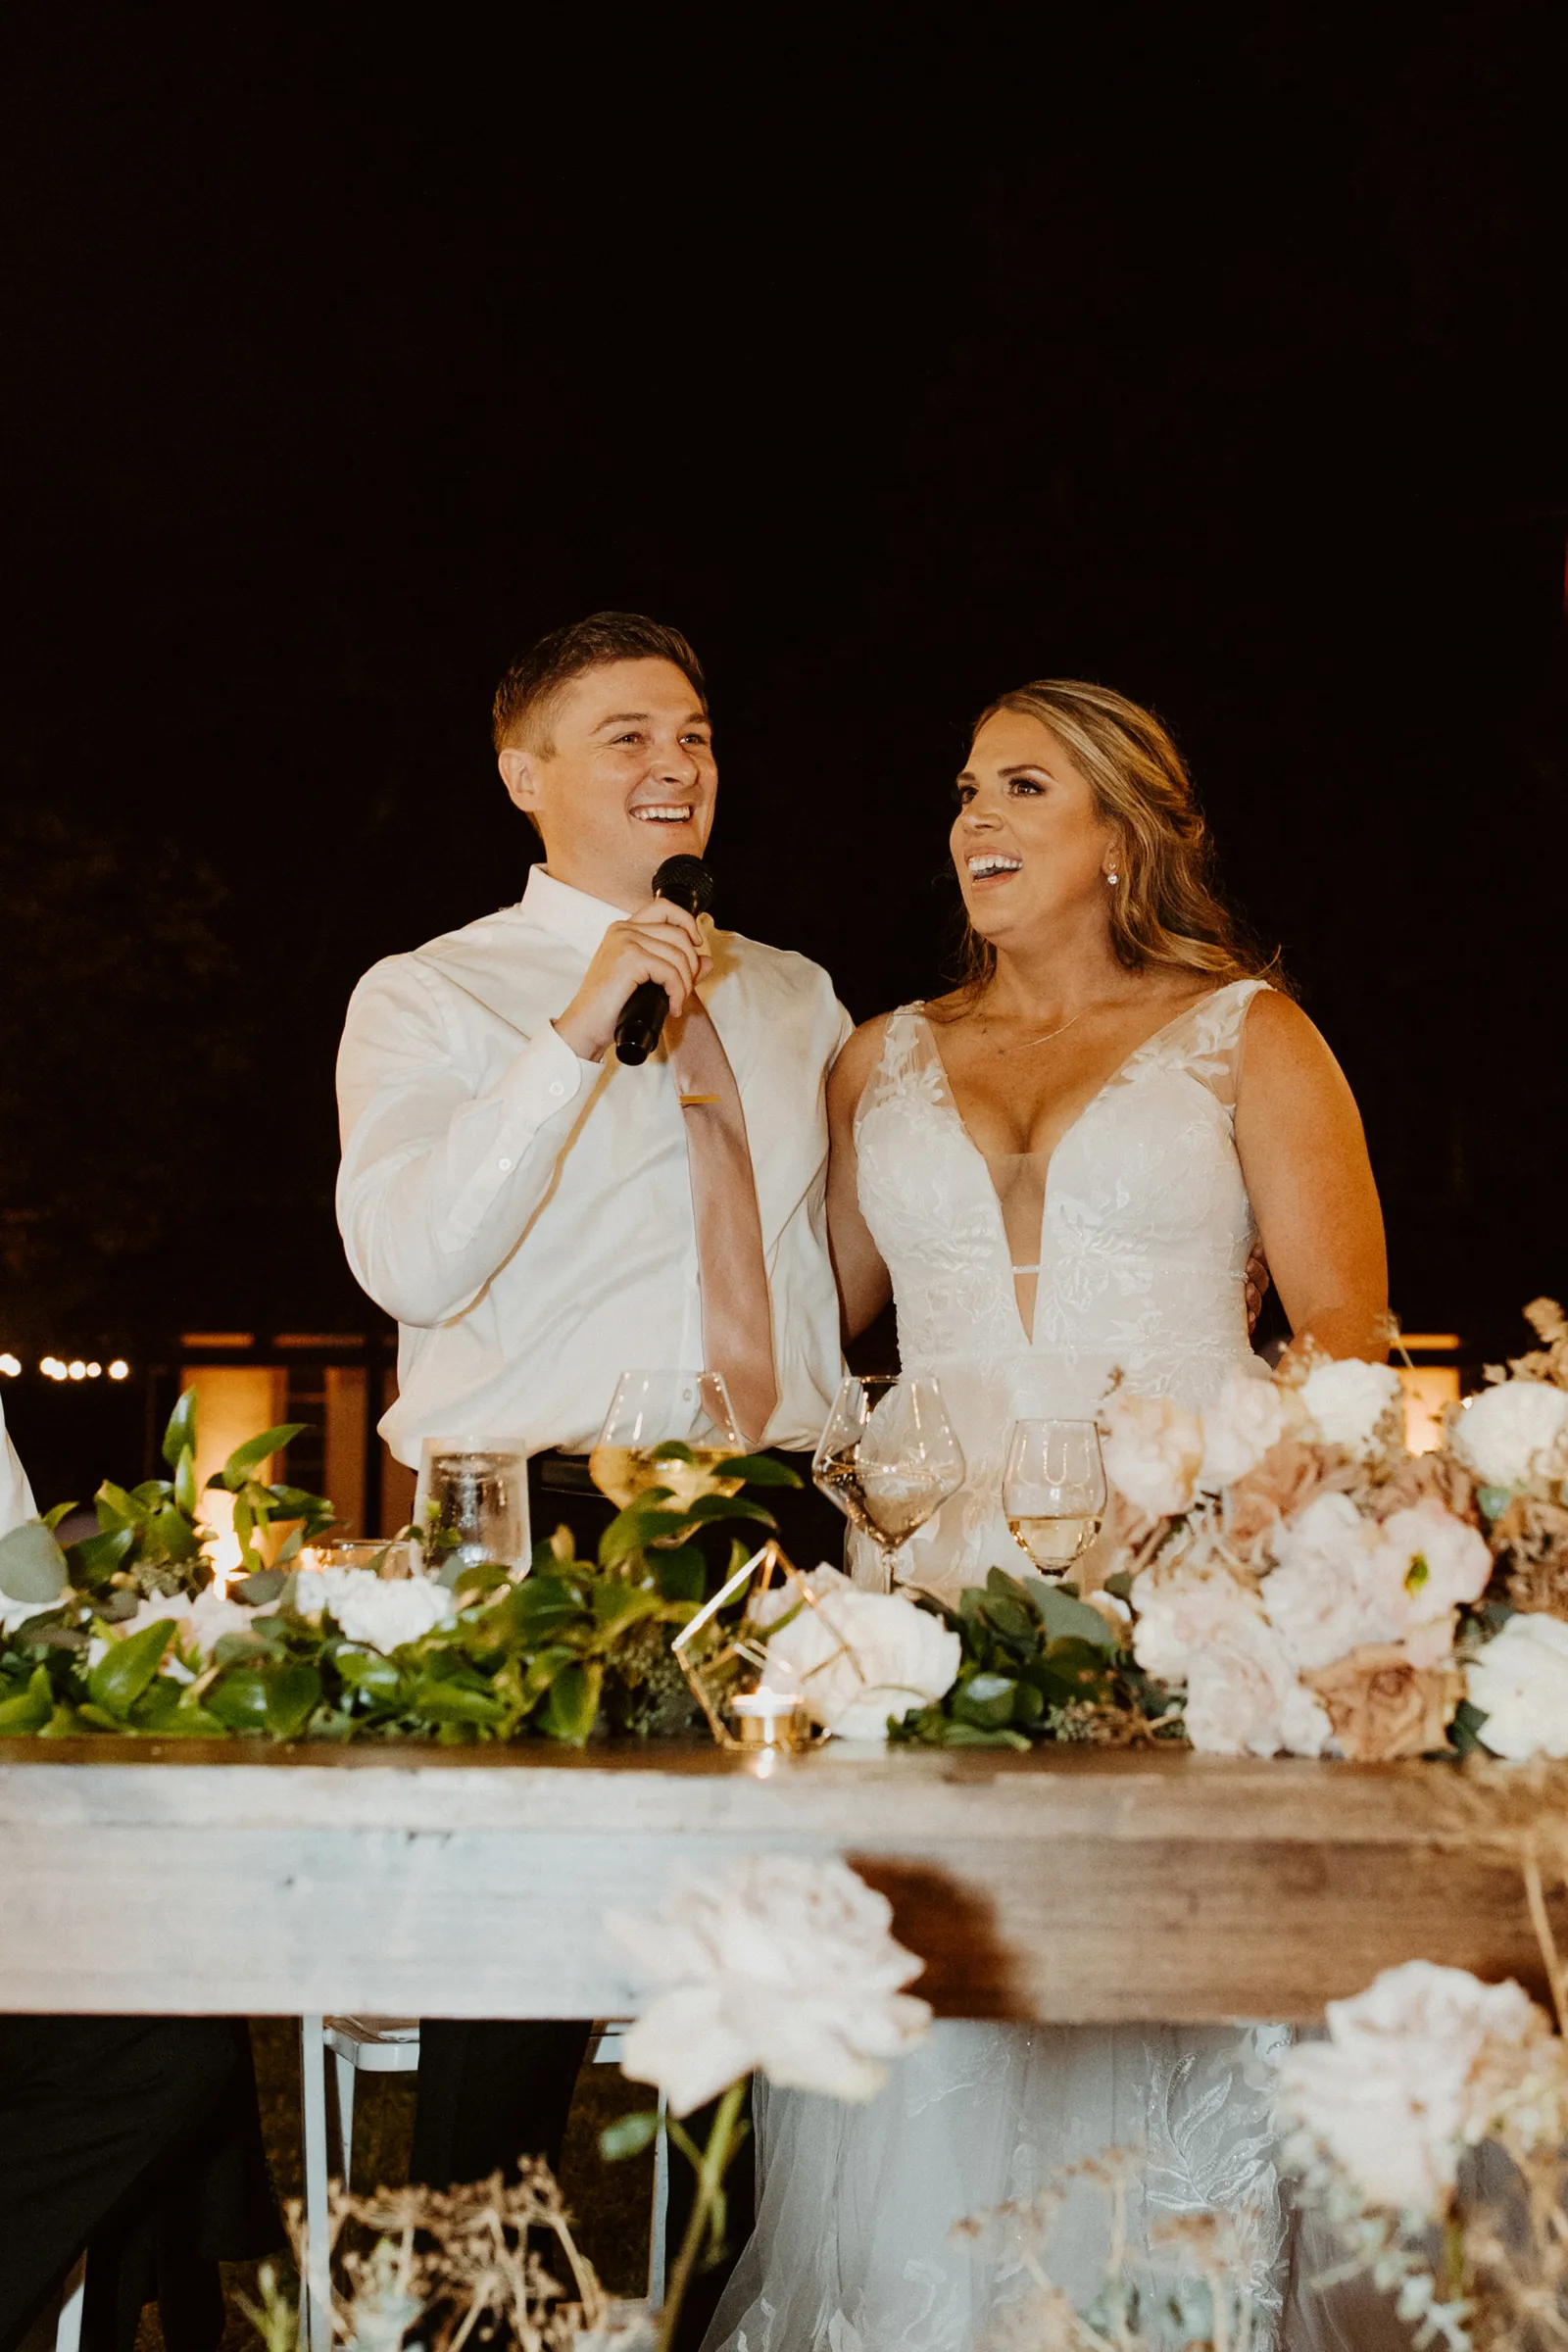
77	1369
119	1369
55	1368
9	1365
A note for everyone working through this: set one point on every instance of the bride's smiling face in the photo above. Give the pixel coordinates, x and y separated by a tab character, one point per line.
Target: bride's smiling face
1030	847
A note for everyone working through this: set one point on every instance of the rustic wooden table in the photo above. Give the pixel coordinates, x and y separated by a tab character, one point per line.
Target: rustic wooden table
1070	1884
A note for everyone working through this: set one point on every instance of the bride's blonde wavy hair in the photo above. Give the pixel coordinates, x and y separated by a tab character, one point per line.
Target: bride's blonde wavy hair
1166	907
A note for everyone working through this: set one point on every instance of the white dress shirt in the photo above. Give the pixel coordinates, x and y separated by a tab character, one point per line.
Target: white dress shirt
528	1216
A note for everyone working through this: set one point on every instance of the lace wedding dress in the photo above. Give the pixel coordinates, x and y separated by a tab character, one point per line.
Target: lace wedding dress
1023	1285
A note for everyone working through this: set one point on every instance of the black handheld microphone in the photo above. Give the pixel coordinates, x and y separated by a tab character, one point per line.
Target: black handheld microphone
685	882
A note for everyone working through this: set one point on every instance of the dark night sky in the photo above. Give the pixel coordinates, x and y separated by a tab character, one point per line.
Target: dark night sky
1228	370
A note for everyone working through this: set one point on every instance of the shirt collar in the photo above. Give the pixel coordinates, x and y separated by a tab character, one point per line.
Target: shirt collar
567	914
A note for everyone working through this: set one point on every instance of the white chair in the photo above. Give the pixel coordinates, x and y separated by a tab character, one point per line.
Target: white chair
390	2045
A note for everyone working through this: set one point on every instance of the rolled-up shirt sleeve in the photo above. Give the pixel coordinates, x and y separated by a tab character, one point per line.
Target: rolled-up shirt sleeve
438	1184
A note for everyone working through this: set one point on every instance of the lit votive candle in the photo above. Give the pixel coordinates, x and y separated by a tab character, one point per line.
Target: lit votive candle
770	1719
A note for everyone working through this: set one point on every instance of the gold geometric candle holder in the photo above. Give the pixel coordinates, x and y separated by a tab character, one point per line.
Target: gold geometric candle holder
724	1657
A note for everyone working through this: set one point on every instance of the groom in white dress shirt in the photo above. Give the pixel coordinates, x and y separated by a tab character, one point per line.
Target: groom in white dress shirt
523	1204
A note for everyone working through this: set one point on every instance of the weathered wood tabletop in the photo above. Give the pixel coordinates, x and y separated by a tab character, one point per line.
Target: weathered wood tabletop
1068	1884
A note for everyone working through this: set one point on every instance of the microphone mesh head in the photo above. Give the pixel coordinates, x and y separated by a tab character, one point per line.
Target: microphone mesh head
685	882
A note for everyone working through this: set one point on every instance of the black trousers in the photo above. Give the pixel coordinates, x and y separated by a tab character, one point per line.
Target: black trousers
138	2138
492	2088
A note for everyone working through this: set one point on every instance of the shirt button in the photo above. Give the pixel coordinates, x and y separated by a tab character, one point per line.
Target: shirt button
502	1165
557	1086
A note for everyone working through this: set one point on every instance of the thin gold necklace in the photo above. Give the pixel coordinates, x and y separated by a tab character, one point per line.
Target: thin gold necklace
1024	1043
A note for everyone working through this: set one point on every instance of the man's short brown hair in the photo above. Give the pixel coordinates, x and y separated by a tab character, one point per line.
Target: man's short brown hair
527	693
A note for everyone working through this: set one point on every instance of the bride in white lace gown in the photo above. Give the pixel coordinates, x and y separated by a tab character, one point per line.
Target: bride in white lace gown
1058	1172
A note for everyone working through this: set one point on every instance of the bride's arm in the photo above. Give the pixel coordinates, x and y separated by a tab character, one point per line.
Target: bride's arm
863	1279
1303	1154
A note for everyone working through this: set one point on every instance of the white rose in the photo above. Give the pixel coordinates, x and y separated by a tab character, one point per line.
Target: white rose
1520	1683
382	1612
778	1965
1322	1598
859	1657
1244	1697
1513	1432
1153	1451
1415	2069
1244	1420
1427	1563
1180	1610
1345	1402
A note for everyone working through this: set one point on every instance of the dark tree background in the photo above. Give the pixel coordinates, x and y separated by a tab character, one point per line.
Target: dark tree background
1222	365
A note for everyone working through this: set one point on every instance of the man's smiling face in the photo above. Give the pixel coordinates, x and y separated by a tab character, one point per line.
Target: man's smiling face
624	779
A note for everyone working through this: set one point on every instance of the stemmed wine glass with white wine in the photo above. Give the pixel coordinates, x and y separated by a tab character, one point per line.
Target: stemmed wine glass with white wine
666	1429
888	1458
1054	1491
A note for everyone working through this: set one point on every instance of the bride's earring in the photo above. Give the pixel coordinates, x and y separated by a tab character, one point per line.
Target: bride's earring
1112	879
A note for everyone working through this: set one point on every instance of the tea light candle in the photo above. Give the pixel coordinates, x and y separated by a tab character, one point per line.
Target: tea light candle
770	1719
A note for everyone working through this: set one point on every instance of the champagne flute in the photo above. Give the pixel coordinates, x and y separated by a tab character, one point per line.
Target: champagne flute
653	1410
888	1458
1054	1491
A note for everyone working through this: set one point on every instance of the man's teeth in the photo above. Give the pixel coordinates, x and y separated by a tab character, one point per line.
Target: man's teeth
979	867
668	812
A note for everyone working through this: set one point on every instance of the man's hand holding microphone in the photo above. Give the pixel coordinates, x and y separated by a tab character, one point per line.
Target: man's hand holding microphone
659	950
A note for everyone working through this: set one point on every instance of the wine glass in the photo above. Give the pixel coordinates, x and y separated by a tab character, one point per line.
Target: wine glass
1054	1491
473	1502
888	1458
666	1429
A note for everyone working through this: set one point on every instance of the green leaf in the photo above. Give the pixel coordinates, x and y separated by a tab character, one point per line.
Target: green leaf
573	1703
52	1519
672	1451
29	1712
1068	1620
376	1678
708	1508
984	1700
185	1484
542	1604
128	1666
181	1435
32	1566
264	1586
629	2135
1494	1501
116	1508
487	1576
238	1698
760	1470
168	1530
681	1574
231	1649
638	1526
1013	1620
1120	1585
95	1558
236	1471
293	1694
544	1666
958	1733
620	1604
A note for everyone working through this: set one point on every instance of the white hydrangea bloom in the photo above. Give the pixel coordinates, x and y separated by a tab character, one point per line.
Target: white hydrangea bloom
379	1612
1180	1610
1245	1419
1514	1431
1323	1598
1520	1683
778	1965
1347	1399
1153	1451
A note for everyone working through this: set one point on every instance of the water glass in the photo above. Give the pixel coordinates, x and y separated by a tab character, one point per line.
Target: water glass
1054	1491
473	1502
888	1458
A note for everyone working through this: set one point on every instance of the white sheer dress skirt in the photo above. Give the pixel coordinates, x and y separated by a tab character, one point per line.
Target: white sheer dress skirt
854	2247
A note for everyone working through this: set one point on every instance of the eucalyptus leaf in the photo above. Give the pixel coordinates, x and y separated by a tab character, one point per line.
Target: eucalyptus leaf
264	1586
32	1566
629	2135
1068	1620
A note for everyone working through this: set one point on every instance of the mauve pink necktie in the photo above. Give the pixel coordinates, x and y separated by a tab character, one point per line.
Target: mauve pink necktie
737	1312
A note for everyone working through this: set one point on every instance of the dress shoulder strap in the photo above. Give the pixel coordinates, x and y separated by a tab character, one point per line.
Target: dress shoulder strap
1207	1040
901	1064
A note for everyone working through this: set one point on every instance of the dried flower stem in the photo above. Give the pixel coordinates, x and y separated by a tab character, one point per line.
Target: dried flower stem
1540	1920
